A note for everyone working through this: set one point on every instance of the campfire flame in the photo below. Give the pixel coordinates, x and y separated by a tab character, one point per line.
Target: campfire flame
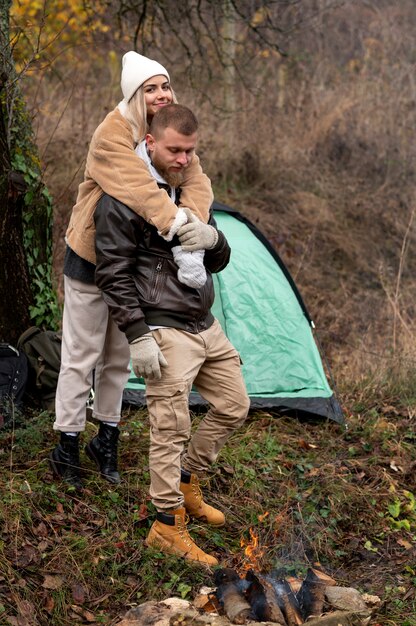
253	553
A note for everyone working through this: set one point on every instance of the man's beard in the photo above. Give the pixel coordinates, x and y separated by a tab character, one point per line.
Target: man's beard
174	179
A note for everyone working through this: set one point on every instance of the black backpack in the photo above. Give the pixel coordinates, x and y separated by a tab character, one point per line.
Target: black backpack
43	351
13	380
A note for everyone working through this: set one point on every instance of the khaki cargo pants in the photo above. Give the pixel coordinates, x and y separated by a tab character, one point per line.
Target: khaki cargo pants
208	361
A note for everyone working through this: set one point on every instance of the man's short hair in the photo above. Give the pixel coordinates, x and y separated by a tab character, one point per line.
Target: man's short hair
175	116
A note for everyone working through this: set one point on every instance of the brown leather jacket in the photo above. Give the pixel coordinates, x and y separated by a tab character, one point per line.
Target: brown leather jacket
138	277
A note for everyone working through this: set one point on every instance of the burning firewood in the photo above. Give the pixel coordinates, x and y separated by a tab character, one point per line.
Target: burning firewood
230	594
263	599
288	602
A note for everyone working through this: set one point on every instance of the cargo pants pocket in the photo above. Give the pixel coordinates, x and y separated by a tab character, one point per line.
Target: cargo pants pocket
168	408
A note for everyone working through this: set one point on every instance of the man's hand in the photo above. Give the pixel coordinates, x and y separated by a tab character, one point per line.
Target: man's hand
146	357
195	235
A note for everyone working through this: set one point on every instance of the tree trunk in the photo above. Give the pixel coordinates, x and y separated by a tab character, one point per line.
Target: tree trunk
228	45
25	211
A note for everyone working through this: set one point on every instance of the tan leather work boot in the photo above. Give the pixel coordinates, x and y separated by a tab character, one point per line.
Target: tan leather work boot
194	502
169	534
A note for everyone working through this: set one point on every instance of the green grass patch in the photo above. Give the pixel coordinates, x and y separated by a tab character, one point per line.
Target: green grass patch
306	491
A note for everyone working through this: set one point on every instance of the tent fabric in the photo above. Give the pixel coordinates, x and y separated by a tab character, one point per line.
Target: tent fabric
262	313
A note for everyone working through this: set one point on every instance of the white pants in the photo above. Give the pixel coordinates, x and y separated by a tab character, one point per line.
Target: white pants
90	341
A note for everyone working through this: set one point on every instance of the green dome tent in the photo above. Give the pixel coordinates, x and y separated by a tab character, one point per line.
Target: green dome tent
263	315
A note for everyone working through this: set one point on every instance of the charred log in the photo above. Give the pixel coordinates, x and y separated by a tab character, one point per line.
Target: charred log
288	602
319	571
263	599
312	595
230	594
295	583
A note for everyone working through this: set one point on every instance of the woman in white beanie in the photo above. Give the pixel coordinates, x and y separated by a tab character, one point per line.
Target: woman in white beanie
91	341
112	166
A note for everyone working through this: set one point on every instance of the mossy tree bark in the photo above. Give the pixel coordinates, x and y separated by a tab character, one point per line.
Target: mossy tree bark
25	208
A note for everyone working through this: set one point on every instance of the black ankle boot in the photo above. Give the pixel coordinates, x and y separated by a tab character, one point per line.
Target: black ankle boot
64	461
102	449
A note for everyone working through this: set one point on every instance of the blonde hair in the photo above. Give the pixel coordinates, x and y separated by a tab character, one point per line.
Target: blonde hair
136	113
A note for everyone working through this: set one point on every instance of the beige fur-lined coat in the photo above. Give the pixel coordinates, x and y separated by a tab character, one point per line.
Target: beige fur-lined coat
114	168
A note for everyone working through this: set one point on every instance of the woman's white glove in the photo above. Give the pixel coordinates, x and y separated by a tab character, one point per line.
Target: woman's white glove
191	267
195	235
146	357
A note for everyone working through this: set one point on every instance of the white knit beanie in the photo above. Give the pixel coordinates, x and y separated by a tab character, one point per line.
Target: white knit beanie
136	70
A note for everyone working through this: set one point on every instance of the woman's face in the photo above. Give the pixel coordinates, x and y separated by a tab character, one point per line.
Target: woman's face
157	94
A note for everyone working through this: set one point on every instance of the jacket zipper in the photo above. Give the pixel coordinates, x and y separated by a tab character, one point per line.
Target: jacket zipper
158	274
204	297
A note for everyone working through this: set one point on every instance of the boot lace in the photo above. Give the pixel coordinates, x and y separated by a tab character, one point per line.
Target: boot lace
196	489
183	531
109	445
111	455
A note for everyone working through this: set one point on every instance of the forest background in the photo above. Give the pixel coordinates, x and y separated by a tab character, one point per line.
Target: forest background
306	111
307	116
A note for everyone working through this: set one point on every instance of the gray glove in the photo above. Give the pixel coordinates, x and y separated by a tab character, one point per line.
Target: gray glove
195	235
146	357
191	270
